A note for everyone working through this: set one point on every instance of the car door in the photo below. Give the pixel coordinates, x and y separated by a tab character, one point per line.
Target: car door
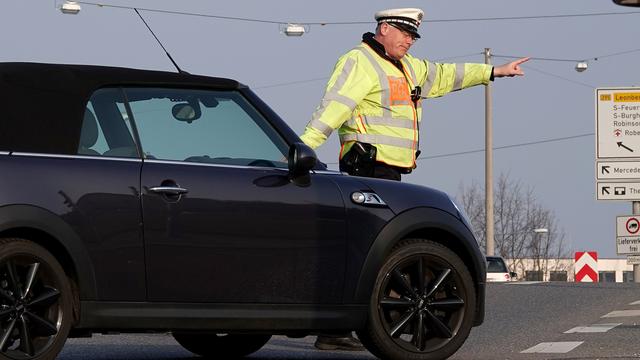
103	196
222	222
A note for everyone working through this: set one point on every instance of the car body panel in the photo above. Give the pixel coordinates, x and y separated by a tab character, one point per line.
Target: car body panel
97	200
242	234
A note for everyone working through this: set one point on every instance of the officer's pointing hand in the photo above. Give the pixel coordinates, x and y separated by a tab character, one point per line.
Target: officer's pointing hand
510	69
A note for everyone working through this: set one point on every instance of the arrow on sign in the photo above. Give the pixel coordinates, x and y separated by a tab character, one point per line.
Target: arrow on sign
620	145
605	190
605	169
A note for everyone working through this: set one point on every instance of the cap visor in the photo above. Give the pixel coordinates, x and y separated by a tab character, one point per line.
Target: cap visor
407	28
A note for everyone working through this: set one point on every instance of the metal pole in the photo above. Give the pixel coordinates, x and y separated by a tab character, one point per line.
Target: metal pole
636	268
488	160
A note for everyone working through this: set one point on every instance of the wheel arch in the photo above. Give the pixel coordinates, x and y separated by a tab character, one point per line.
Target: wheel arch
54	234
427	223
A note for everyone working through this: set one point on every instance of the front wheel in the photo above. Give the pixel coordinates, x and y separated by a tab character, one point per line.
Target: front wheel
221	346
423	303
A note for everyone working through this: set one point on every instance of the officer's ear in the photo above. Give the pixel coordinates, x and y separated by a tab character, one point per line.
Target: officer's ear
383	28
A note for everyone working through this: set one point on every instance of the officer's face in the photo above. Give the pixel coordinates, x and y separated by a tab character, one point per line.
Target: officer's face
397	41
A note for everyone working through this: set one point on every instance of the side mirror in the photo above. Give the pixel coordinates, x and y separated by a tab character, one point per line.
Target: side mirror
302	159
635	3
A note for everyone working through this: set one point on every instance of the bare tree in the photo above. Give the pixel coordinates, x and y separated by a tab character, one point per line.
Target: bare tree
516	214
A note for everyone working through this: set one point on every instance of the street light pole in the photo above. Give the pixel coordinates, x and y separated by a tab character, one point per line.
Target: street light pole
488	161
539	232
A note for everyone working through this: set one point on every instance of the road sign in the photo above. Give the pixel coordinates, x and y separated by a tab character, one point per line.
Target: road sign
617	170
586	266
606	190
633	260
626	245
628	225
628	234
617	123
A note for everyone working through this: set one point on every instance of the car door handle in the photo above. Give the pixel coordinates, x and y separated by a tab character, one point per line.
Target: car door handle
168	190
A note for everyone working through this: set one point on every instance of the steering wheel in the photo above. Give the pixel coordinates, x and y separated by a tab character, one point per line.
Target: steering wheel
261	162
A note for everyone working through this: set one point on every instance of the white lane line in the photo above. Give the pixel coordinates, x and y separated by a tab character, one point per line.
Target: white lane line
595	328
522	282
635	303
622	313
553	347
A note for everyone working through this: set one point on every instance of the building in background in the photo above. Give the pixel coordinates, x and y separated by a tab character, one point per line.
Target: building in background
609	270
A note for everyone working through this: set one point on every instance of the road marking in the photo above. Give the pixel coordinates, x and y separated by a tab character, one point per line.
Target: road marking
635	303
553	347
622	313
595	328
523	282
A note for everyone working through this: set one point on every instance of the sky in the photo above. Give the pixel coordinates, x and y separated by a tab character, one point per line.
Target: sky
551	101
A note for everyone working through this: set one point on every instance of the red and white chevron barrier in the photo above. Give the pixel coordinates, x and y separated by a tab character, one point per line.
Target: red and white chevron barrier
586	266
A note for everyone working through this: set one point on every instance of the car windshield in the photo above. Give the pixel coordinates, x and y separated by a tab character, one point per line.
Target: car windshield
496	265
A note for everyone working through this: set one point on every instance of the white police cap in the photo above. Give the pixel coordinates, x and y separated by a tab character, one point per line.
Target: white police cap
408	19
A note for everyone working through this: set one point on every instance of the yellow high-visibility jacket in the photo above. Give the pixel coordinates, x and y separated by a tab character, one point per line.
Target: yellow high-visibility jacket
368	99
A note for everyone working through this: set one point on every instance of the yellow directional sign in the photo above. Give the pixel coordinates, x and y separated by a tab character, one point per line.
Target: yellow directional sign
618	123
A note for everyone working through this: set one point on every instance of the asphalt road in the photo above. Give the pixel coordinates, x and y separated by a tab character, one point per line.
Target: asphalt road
520	317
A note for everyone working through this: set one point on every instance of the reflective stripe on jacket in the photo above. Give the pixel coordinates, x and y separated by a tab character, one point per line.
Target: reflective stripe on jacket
368	99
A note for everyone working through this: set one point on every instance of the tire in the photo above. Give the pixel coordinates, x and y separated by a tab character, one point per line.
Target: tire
35	302
219	346
442	306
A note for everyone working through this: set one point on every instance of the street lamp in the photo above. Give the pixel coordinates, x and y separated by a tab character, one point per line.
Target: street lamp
295	29
581	66
70	7
537	247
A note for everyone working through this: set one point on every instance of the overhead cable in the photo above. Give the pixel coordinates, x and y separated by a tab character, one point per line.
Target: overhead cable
237	18
537	142
559	77
507	146
570	60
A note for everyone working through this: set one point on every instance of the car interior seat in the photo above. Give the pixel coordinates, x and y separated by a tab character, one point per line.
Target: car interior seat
89	134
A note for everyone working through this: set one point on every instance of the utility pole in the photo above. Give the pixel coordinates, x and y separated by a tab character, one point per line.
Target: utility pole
488	161
636	267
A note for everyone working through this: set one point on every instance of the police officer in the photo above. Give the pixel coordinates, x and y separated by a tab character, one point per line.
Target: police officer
374	99
375	93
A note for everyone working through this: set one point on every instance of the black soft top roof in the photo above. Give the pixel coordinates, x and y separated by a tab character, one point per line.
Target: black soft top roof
87	78
50	98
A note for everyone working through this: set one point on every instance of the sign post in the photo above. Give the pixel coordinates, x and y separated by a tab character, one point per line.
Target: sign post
636	267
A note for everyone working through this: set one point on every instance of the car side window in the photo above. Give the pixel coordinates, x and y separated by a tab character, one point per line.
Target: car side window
106	130
217	127
496	265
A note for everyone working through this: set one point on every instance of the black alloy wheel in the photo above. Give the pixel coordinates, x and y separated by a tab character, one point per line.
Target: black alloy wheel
423	303
35	302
